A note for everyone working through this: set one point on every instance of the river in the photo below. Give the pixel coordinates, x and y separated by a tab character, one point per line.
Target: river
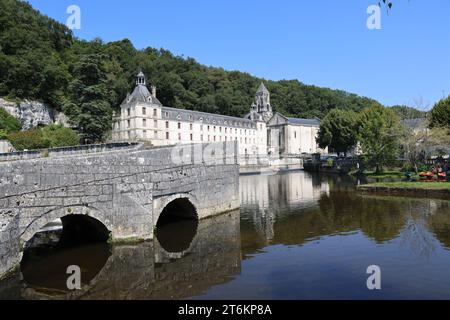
296	236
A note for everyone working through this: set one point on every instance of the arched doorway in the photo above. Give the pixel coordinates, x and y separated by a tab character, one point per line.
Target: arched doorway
177	225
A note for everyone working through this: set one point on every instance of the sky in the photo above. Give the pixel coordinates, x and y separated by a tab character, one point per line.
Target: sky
323	42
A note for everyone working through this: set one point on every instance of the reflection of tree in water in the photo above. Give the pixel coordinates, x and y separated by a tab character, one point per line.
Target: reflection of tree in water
439	221
428	220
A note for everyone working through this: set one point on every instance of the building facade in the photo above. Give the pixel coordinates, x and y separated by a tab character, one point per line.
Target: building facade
143	118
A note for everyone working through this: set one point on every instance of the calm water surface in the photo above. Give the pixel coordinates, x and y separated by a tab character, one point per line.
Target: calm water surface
296	236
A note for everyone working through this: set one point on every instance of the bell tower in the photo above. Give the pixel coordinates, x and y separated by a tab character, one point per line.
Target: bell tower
261	105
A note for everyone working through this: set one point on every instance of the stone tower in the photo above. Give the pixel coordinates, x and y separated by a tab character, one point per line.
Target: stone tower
261	105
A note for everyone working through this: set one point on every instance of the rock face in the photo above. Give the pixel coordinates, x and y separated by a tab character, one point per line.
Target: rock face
33	113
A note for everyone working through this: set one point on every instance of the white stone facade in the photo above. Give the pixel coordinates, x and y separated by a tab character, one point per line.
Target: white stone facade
143	118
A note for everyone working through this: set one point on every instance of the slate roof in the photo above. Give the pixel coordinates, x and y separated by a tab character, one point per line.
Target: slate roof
308	122
141	94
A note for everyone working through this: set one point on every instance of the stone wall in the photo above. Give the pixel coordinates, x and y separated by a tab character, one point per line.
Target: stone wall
67	151
125	190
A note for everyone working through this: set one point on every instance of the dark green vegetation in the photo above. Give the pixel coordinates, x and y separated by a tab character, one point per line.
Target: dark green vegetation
8	124
376	128
405	112
50	136
40	59
440	114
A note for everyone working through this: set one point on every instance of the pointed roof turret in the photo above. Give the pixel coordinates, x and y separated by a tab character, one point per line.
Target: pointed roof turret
262	88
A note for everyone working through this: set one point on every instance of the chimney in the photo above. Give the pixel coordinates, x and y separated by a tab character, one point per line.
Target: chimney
153	91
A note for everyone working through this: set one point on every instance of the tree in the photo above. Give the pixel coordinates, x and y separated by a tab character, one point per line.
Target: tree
339	130
379	135
90	99
440	114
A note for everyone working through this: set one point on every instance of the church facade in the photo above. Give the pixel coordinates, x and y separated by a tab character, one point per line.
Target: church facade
261	133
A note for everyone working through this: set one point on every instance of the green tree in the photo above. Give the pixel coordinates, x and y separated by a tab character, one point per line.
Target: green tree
380	132
56	135
339	130
440	114
91	110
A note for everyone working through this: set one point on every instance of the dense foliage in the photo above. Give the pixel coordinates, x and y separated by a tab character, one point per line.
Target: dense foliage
338	131
8	123
379	134
440	114
50	136
40	59
405	112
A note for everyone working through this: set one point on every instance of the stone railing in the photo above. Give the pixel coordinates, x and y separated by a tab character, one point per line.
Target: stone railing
66	151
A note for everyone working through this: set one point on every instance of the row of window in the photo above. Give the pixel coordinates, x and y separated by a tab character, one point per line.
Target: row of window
191	127
166	114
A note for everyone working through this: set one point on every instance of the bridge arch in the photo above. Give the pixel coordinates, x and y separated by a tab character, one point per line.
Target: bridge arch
176	223
73	218
181	205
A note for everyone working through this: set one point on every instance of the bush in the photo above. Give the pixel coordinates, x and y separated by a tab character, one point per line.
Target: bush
28	140
8	123
51	136
55	135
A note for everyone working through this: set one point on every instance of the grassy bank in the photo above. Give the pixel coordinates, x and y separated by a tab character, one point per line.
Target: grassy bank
439	190
410	185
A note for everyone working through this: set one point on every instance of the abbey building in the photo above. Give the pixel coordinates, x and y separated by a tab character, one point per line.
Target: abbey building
262	132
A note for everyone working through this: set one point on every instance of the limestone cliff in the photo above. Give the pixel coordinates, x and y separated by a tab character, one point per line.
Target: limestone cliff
33	113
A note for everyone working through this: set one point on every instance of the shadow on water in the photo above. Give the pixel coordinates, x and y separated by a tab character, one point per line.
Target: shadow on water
142	271
302	236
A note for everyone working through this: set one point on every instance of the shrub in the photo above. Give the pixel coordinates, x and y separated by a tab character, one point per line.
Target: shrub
8	123
28	140
55	135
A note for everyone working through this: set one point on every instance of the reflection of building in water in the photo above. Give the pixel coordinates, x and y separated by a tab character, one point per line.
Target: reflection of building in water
146	271
267	197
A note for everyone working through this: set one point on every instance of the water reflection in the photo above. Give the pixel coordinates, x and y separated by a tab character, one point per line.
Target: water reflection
144	271
297	236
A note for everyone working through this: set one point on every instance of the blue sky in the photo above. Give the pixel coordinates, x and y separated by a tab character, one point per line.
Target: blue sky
320	42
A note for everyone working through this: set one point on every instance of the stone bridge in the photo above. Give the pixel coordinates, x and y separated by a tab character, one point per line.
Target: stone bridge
118	195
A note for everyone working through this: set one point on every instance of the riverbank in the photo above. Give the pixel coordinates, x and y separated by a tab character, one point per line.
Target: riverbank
417	189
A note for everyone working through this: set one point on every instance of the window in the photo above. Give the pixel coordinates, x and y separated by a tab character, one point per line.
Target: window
179	125
128	112
155	123
220	129
144	133
155	112
190	117
167	124
201	137
144	122
192	137
167	136
128	123
214	128
208	128
179	136
166	114
214	138
191	126
201	127
155	134
144	111
295	134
